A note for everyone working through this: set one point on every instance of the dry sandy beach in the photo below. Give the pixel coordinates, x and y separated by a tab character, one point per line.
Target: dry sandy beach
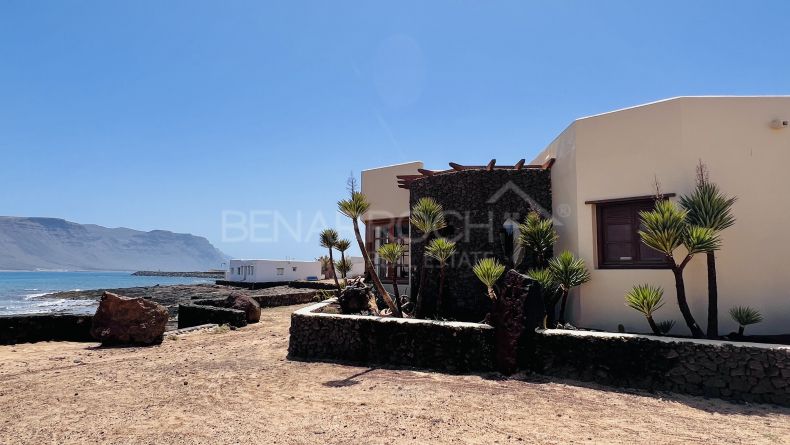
238	387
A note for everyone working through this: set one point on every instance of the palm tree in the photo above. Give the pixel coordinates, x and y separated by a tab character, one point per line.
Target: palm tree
354	208
392	253
708	207
538	235
488	270
344	266
328	240
666	229
549	291
440	249
342	245
744	316
568	272
427	216
646	299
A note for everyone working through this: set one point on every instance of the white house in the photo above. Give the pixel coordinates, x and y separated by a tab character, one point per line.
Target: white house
266	271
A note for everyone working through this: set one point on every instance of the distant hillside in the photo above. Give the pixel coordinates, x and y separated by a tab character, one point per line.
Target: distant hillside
50	243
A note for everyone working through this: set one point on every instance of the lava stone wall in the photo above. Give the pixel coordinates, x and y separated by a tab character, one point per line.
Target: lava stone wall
202	312
446	346
44	327
745	372
477	204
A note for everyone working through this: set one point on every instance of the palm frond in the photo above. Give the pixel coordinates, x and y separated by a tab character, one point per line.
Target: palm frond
344	266
663	227
488	270
645	298
342	245
745	315
549	288
708	207
427	215
568	271
355	206
440	249
537	233
700	239
391	252
328	238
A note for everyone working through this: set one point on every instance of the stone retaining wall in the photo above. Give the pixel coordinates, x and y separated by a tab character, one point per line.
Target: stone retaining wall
446	346
44	327
204	312
318	285
749	372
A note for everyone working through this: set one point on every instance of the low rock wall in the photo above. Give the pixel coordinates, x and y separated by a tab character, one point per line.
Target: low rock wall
205	312
44	327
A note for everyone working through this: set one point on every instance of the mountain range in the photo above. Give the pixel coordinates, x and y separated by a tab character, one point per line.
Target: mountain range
57	244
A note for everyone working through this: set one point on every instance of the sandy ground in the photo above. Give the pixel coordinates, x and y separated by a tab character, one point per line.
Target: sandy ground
238	387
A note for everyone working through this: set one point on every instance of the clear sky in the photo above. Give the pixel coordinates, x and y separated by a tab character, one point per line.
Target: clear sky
164	114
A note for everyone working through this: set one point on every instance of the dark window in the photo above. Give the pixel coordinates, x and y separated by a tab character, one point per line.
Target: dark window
389	231
619	244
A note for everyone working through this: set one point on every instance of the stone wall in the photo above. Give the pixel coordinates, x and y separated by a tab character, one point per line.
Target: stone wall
205	312
44	327
749	372
318	285
477	204
446	346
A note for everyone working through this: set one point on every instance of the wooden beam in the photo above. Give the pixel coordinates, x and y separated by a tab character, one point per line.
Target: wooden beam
457	167
520	164
548	164
631	198
491	165
409	177
426	172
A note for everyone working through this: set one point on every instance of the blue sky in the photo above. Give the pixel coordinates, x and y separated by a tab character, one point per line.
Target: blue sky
162	115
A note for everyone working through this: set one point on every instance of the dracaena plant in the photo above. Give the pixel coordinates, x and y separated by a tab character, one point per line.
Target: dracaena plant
342	245
440	249
646	299
354	207
328	239
538	235
708	207
549	291
744	316
666	229
568	272
392	253
427	216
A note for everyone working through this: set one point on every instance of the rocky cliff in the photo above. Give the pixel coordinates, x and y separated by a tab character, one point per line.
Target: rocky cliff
50	243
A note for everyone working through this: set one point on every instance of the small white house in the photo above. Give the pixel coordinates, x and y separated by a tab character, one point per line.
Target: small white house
264	271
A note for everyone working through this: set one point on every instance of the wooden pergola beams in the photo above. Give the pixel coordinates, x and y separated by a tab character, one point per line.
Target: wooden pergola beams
405	180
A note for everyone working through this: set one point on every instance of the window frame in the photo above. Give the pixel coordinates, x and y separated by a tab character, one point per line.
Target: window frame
600	243
404	265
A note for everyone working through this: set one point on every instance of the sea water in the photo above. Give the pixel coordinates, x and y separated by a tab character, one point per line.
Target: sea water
22	292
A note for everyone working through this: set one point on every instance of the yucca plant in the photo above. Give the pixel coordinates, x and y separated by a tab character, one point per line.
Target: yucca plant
744	316
342	245
568	272
328	238
646	299
665	229
538	235
488	271
354	208
344	266
549	292
440	249
427	216
708	207
392	253
665	326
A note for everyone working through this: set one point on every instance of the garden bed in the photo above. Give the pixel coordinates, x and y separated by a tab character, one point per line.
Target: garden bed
319	334
742	371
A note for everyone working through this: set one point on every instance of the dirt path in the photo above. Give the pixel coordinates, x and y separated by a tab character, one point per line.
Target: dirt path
238	387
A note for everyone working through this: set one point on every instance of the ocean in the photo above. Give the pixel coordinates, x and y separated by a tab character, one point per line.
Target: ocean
21	292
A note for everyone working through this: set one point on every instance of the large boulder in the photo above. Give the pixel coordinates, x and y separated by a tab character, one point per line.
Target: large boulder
245	303
121	321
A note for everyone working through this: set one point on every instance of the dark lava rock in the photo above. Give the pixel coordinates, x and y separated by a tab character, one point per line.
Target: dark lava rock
244	303
121	321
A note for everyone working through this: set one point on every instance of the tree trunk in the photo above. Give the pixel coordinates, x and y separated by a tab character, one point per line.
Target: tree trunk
562	305
680	288
373	274
713	297
418	311
653	325
343	260
740	330
441	290
395	285
334	274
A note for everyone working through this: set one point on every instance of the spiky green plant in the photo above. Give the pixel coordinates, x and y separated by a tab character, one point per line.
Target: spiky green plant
665	229
538	235
342	245
646	299
708	207
744	316
665	326
549	292
568	272
354	207
488	271
427	216
392	253
328	239
344	266
440	249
